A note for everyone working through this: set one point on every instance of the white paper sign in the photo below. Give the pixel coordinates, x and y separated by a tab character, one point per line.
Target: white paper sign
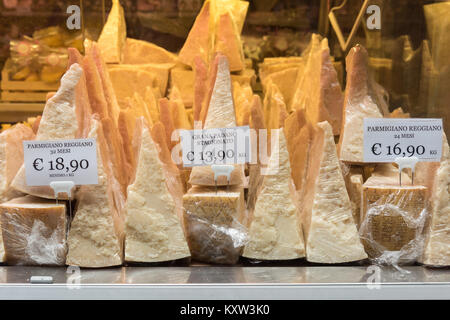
215	146
386	139
60	160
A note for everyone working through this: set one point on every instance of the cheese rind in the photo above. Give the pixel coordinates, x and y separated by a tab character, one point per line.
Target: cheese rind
330	232
34	231
275	231
153	230
213	221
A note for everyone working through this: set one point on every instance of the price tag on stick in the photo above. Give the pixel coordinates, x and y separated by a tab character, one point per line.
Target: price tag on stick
387	139
60	160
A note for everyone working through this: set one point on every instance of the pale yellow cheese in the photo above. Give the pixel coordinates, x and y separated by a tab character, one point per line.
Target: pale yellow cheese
114	33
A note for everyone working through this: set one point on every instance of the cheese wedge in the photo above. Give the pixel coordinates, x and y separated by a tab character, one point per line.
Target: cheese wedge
214	224
143	52
200	40
283	80
114	33
34	231
242	96
275	231
11	157
330	232
153	230
200	90
220	115
97	99
275	112
437	245
392	217
354	182
358	104
96	233
152	104
126	82
59	121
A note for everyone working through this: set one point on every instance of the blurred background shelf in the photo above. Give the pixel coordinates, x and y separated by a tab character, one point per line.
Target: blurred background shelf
19	111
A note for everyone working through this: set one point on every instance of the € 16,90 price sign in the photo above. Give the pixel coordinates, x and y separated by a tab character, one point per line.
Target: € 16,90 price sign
60	160
218	146
387	139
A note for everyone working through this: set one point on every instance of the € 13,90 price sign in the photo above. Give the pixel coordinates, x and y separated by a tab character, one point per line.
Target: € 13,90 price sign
218	146
388	139
60	160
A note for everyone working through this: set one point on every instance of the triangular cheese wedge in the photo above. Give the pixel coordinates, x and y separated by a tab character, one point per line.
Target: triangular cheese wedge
437	245
11	157
358	104
153	230
238	10
95	237
180	117
143	52
284	80
275	230
200	40
97	99
114	33
242	95
59	121
330	232
126	126
275	112
220	115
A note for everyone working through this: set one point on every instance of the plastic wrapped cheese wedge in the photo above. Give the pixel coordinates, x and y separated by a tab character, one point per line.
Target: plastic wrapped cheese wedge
153	229
330	232
437	244
96	234
34	231
220	114
114	33
59	121
275	231
392	217
214	223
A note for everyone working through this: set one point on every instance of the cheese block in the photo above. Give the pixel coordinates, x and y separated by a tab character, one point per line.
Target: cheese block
114	33
159	70
183	79
221	114
214	223
153	230
437	245
199	89
354	181
34	231
152	104
318	91
11	157
143	52
392	216
127	81
330	232
275	112
280	60
242	96
275	231
95	237
283	80
200	40
237	9
59	121
358	104
266	70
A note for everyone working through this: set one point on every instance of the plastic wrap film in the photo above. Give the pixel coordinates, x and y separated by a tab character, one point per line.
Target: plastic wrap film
34	231
392	222
214	224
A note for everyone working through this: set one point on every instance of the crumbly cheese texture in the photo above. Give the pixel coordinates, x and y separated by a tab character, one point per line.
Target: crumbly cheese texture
275	230
214	223
96	234
358	104
221	114
59	121
114	34
437	247
330	232
34	231
153	230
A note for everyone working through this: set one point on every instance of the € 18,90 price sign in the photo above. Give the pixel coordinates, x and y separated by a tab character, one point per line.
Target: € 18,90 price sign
218	146
60	160
387	139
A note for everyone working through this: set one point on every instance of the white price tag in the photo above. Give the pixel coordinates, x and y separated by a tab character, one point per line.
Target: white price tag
215	146
386	139
60	160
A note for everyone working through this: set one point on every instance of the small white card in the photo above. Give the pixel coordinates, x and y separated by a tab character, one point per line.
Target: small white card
215	146
386	139
60	160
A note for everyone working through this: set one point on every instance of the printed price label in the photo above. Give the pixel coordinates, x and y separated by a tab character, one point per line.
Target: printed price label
60	160
215	146
387	139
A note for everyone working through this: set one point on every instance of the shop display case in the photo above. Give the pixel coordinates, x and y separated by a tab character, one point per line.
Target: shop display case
307	217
